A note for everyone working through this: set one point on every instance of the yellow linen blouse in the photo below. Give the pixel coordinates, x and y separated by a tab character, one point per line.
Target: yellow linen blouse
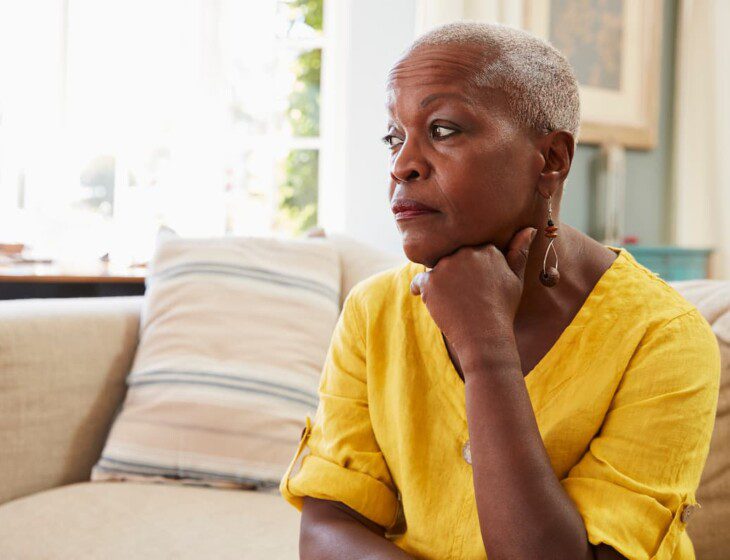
625	402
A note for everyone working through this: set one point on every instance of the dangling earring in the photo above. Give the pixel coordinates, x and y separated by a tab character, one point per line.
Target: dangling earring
551	276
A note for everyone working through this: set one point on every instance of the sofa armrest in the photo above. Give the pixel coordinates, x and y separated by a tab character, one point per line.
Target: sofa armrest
63	365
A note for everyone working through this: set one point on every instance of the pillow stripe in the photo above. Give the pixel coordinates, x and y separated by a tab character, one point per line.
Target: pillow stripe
313	395
243	272
217	384
107	464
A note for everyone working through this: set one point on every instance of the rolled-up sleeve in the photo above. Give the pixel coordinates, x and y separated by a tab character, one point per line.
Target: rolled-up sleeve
643	468
344	462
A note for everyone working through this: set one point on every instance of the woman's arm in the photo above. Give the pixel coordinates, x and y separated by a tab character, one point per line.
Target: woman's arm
523	510
333	530
345	464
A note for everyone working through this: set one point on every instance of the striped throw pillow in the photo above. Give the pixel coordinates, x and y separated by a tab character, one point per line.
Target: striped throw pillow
234	333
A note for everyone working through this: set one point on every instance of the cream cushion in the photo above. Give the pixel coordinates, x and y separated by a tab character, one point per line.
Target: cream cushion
123	521
359	261
62	368
233	335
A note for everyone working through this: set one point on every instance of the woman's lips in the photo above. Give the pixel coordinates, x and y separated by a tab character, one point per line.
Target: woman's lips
405	214
407	208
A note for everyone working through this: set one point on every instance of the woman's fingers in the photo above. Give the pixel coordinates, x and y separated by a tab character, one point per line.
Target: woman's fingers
418	282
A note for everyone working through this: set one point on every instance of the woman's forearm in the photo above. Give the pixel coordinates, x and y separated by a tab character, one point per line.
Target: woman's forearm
523	510
328	532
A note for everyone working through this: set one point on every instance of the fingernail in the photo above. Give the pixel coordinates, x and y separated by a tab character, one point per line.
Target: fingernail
534	233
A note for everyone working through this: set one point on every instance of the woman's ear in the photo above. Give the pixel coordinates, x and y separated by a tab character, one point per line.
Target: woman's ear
558	148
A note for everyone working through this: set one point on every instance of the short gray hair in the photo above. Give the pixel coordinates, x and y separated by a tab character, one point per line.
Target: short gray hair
536	78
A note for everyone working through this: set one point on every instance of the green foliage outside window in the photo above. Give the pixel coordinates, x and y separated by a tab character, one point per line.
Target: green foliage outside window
298	189
298	193
310	11
303	114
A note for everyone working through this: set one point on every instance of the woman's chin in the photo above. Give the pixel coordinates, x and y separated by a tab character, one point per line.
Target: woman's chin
421	254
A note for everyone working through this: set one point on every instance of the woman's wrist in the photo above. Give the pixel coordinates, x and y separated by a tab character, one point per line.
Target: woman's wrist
490	355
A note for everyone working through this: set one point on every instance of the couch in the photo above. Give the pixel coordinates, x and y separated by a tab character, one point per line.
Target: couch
63	364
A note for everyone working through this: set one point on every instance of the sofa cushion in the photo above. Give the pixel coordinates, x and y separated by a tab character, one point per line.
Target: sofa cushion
62	368
359	260
234	332
709	527
122	521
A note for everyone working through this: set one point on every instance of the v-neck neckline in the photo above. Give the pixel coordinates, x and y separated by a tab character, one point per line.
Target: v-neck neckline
452	386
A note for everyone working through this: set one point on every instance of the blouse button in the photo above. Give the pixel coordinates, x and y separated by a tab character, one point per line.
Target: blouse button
466	452
687	512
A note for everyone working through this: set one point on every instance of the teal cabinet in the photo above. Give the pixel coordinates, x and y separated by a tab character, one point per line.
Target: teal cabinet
672	263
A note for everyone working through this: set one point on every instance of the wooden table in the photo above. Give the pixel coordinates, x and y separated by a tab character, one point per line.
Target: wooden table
66	279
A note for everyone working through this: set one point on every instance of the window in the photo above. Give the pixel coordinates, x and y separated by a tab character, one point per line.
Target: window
119	117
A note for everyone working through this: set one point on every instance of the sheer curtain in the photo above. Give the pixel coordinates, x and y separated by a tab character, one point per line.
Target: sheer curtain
701	189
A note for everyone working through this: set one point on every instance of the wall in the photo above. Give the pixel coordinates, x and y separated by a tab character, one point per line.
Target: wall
647	172
369	36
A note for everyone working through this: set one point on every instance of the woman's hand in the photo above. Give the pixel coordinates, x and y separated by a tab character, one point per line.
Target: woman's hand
473	294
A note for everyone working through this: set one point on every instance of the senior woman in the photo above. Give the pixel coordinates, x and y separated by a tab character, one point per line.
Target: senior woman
502	394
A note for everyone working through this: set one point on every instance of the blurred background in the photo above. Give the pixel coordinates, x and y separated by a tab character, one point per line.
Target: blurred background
243	117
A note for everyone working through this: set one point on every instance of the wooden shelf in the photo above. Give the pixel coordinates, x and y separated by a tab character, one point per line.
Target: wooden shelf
71	273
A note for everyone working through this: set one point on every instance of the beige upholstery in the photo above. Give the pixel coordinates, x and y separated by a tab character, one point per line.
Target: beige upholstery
62	369
358	261
125	521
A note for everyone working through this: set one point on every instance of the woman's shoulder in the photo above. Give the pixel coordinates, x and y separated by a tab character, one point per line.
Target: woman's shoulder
642	298
643	293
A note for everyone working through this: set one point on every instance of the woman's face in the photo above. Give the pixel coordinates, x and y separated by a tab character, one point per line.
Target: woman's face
459	152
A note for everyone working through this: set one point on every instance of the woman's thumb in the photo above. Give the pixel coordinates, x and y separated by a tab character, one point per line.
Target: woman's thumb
519	250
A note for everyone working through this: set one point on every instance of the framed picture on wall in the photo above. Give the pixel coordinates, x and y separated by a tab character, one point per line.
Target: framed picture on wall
615	48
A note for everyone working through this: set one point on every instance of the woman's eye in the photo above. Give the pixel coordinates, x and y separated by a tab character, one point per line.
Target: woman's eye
440	131
391	141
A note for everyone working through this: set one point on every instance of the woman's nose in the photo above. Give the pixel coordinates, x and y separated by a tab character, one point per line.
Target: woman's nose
409	165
